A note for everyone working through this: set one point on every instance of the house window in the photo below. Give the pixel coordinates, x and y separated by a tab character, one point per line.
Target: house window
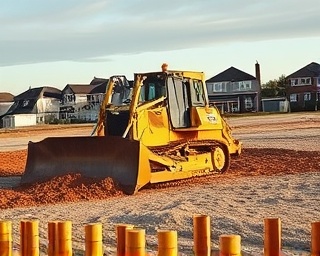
25	103
247	85
305	81
293	97
242	86
235	86
294	82
307	96
248	103
69	98
220	87
217	87
300	81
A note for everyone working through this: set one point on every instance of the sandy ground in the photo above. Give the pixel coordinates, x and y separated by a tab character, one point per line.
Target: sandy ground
237	203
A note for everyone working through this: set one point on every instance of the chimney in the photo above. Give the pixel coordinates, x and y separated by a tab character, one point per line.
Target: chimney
258	76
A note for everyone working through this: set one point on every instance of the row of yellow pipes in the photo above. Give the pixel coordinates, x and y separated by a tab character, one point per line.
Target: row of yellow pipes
132	241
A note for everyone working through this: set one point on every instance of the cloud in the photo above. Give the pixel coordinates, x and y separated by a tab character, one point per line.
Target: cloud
86	30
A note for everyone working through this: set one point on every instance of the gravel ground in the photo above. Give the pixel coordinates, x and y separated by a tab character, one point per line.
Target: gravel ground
236	204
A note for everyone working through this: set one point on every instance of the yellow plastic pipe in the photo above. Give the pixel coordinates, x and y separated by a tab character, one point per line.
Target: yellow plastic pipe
201	235
5	238
230	245
121	237
135	242
93	239
29	238
64	239
167	243
272	237
315	238
52	237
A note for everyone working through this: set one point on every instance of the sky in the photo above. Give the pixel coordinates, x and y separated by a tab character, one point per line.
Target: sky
59	42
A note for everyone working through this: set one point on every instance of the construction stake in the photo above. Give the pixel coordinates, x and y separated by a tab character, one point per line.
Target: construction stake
93	239
167	243
135	242
121	238
315	239
201	235
230	245
272	237
52	240
63	239
29	238
5	238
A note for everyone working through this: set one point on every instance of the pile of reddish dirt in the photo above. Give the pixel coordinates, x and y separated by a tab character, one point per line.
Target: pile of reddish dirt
272	161
12	163
73	187
67	188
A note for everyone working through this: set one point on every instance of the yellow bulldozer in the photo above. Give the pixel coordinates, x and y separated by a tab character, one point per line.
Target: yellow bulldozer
164	131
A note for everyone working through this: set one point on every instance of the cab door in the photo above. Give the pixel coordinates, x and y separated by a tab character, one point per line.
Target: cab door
178	103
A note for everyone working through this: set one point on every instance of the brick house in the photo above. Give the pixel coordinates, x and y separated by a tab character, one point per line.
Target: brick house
235	91
303	88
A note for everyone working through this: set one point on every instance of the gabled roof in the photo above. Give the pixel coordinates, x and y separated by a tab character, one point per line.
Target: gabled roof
231	74
6	97
311	70
79	88
34	93
100	85
98	81
101	88
25	102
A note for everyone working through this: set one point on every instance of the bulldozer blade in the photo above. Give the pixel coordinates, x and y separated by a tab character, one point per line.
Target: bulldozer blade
125	161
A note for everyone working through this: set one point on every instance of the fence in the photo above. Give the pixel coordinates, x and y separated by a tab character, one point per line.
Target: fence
131	241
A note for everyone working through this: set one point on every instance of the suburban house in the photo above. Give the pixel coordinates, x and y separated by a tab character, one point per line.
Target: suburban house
235	91
81	102
6	101
34	106
303	89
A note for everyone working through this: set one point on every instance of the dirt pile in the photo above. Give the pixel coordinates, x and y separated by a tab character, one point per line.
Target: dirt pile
12	163
67	188
273	161
73	187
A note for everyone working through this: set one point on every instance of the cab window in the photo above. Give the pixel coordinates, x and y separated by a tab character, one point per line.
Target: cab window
197	93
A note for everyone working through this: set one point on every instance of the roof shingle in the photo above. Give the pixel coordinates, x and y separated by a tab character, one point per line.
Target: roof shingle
231	74
6	97
311	70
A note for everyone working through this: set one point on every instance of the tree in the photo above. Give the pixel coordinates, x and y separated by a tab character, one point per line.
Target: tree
274	88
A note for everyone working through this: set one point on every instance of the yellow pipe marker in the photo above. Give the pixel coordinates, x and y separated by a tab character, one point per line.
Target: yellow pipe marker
272	237
5	238
230	245
93	239
135	242
121	238
201	235
63	239
29	238
167	243
52	241
315	238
